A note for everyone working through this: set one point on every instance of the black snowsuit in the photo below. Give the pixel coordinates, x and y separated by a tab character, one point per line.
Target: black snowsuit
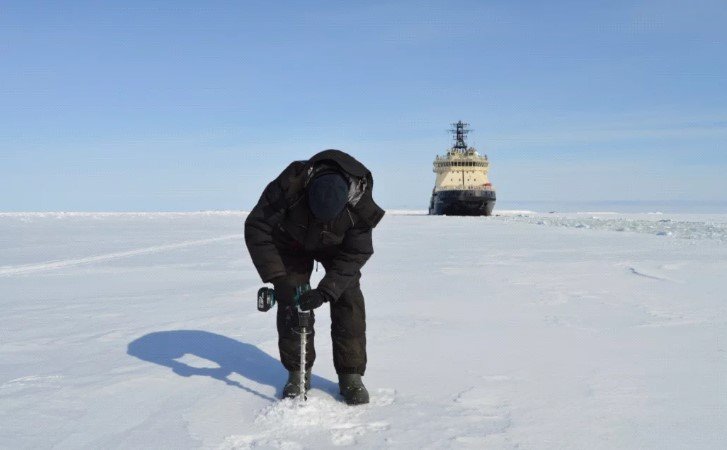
284	238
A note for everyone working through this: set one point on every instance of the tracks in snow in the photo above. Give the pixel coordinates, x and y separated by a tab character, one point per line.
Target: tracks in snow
62	264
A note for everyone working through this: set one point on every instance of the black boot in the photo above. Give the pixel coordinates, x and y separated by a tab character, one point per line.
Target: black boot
353	389
292	386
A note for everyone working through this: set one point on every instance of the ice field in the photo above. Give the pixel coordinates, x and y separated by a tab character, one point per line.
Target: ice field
590	330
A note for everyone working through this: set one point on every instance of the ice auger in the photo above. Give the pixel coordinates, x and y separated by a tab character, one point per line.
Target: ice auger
266	300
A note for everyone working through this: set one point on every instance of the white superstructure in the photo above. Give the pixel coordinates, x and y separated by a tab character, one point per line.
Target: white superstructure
459	170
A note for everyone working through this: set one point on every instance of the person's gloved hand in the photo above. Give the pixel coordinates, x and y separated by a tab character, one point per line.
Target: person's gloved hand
312	299
284	290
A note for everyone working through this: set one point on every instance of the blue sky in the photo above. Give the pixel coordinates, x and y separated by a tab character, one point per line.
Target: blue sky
180	105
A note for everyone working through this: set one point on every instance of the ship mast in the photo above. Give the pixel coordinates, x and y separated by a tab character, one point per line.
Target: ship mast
460	130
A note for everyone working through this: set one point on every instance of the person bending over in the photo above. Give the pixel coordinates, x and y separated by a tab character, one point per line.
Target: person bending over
320	210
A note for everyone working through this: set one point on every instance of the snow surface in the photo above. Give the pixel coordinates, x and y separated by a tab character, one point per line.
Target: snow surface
523	330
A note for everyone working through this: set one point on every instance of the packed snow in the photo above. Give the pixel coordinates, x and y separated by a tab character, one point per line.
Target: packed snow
523	330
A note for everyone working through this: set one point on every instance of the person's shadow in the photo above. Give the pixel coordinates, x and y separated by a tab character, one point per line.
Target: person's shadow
166	347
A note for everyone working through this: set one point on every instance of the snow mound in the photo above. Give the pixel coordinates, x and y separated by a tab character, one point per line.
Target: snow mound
648	224
290	423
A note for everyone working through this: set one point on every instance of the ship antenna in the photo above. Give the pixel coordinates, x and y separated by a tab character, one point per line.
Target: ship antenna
460	130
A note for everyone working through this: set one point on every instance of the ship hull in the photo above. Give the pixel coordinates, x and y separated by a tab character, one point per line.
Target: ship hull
462	203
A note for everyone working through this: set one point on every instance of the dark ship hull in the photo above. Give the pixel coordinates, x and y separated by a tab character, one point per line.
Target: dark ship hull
462	203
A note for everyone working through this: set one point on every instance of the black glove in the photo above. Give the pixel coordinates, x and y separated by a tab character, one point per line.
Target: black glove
312	299
284	290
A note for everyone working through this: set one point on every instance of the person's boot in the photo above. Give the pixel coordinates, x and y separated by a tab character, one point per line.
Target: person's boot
292	386
353	389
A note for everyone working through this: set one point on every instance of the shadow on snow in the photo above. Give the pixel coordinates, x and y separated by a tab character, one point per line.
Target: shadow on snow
166	347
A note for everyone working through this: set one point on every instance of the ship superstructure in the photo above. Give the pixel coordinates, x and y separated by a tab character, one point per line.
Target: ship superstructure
462	187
